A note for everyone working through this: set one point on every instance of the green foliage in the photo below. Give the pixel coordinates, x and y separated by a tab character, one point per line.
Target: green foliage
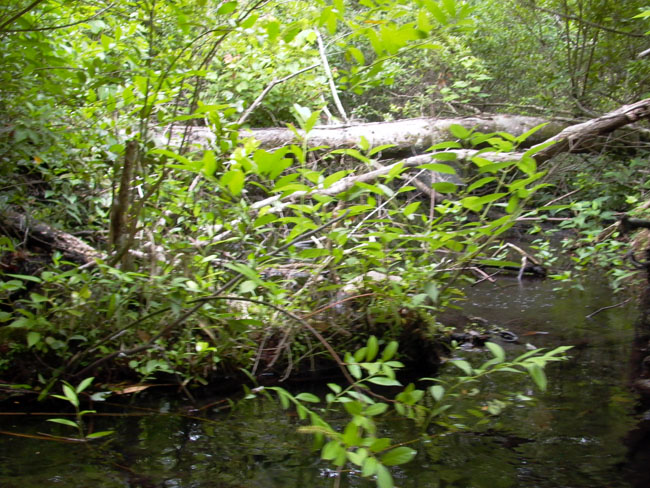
358	443
71	395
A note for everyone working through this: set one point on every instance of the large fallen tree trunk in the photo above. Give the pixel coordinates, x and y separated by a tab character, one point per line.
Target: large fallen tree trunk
575	138
45	236
412	135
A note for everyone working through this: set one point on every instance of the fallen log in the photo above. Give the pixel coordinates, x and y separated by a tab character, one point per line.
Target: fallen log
43	235
412	135
573	139
580	137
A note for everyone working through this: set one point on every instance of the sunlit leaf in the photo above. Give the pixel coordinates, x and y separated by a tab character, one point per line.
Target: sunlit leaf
399	455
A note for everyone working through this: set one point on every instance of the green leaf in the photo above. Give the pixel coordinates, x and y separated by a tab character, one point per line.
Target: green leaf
439	167
399	455
369	466
537	374
331	450
478	184
357	457
384	479
67	422
383	381
459	131
376	409
307	397
334	387
446	145
226	8
410	209
351	434
33	338
496	350
234	180
355	371
444	187
431	289
372	348
70	395
389	351
528	165
85	383
530	132
103	433
437	392
463	365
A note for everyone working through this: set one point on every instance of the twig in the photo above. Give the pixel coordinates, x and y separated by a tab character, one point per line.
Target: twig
608	307
268	88
330	78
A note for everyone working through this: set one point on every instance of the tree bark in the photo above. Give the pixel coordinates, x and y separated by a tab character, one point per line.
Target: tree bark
46	236
412	135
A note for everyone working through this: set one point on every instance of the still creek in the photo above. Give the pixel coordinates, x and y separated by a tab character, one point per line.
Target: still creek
577	434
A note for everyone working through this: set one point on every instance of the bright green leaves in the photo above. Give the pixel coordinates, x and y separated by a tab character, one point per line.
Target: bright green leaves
397	456
71	395
226	8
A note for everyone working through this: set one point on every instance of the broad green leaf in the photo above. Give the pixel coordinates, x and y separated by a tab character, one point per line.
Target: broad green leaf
33	338
463	365
399	455
410	209
389	351
369	466
480	183
226	8
372	348
438	167
496	350
70	395
437	392
376	409
355	370
537	374
444	187
432	291
384	478
351	435
234	180
528	165
445	145
334	177
357	457
459	131
84	384
445	156
331	450
307	397
377	149
334	387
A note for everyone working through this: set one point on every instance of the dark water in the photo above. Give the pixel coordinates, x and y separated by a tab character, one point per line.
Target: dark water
573	436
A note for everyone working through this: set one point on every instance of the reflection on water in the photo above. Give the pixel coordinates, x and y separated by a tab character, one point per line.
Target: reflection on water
571	437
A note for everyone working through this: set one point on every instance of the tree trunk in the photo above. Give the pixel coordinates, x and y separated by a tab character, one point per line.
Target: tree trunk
409	135
46	236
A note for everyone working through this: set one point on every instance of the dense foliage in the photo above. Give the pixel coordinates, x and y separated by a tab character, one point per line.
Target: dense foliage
201	276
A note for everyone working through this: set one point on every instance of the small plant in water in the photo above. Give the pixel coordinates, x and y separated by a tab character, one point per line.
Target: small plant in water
71	395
